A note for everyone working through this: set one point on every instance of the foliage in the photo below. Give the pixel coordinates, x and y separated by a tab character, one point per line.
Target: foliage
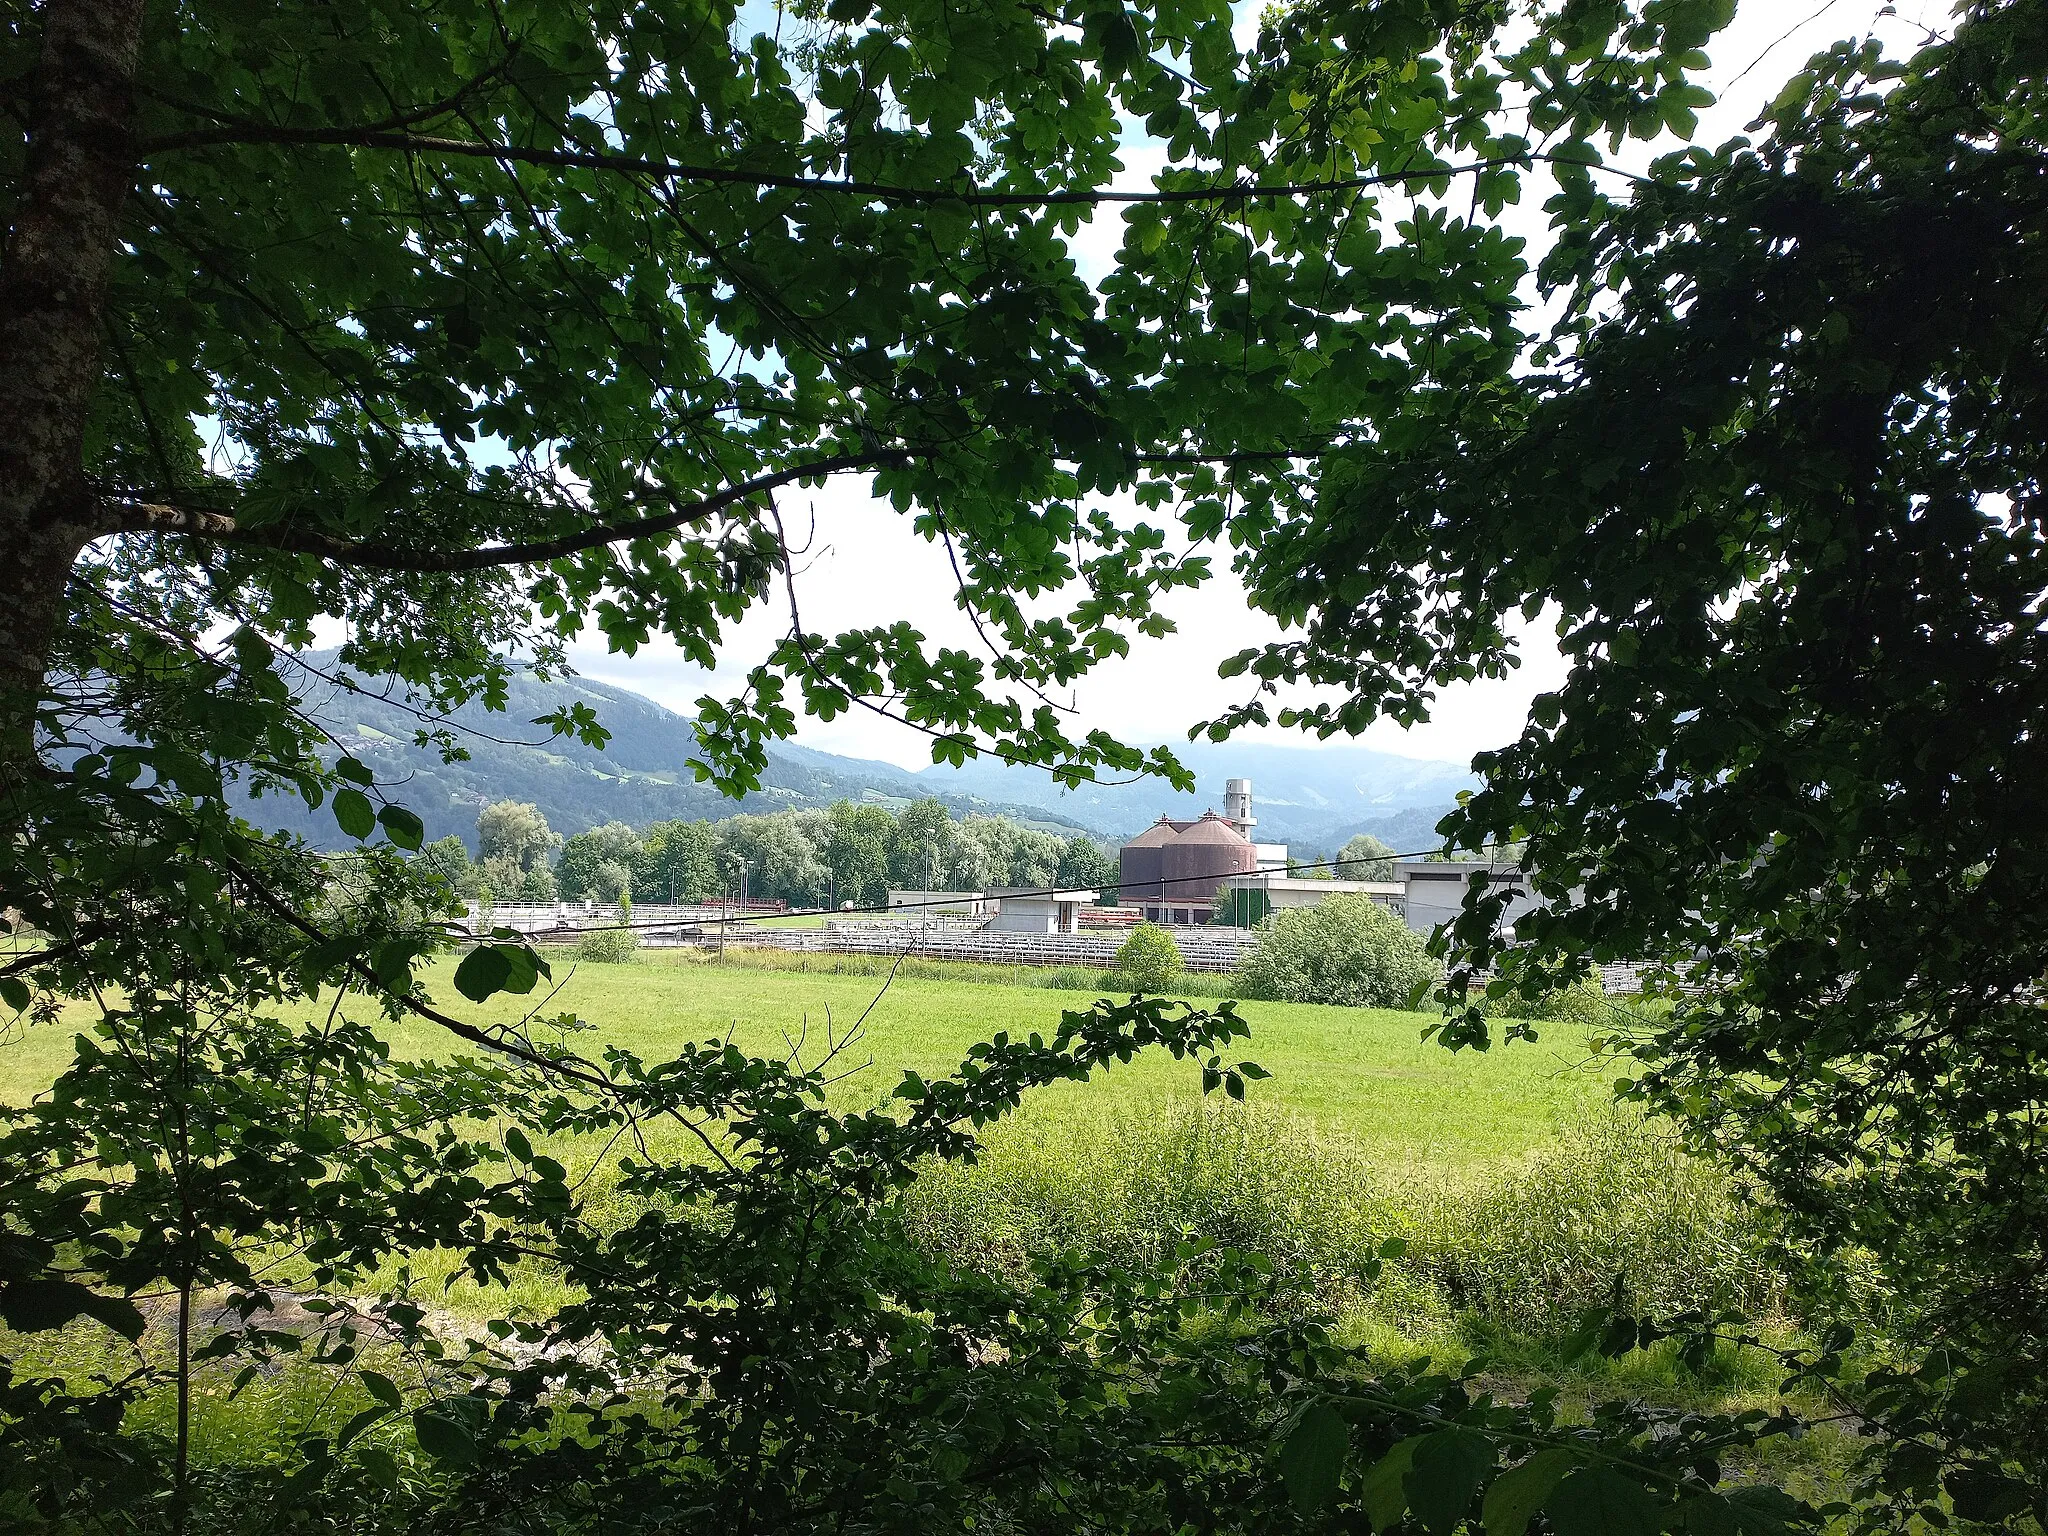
857	853
449	858
1090	1362
1797	579
1085	865
467	332
921	847
1149	960
1521	1256
608	946
678	863
599	862
515	831
1365	857
1347	950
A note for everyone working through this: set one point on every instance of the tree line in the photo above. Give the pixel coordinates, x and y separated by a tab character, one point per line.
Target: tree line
846	852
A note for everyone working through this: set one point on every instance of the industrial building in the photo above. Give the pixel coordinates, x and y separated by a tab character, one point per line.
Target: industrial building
1245	901
1173	869
1025	909
1435	891
1191	873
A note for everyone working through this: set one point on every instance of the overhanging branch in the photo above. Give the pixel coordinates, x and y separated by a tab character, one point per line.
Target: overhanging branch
971	194
150	517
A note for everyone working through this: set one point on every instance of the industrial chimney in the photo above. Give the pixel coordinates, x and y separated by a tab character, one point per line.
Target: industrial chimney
1237	806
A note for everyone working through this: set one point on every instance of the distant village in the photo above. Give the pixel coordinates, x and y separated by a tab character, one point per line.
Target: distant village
1212	871
1209	875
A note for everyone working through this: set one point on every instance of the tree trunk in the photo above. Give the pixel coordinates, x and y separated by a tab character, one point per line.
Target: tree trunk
53	293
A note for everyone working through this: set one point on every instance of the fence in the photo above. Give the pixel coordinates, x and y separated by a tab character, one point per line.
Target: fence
551	916
1201	949
937	936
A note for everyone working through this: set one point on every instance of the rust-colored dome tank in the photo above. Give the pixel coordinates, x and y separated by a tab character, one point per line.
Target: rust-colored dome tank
1196	861
1139	864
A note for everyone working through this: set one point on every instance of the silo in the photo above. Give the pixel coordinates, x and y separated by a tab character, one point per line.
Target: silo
1139	863
1202	857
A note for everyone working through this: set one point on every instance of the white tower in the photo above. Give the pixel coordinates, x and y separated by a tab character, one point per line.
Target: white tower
1237	806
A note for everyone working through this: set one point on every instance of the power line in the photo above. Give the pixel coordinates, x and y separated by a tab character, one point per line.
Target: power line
662	924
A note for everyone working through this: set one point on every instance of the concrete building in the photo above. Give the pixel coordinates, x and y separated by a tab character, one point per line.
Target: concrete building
952	903
1237	810
1434	892
1023	909
1173	869
1245	901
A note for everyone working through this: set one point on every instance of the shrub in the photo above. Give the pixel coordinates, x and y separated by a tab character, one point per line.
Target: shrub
1611	1199
1149	960
1522	1251
608	946
1346	950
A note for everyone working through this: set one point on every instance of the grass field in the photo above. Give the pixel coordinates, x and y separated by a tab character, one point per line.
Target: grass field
1520	1192
1364	1077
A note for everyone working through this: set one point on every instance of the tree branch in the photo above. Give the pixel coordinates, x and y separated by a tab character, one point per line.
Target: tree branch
972	195
150	517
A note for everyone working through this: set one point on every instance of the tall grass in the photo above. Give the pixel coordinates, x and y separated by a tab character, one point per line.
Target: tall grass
1056	978
1515	1252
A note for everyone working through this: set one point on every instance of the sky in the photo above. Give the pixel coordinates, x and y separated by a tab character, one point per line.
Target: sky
866	566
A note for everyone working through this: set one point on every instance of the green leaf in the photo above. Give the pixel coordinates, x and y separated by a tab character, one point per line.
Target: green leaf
1762	1510
354	814
1446	1472
40	1304
382	1388
483	972
444	1437
380	1465
1980	1494
14	992
391	961
1312	1459
355	771
1381	1492
361	1422
1709	1515
522	968
1519	1492
402	827
1599	1501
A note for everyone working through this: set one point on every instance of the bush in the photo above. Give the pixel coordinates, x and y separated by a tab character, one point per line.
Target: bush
1149	961
1346	950
1521	1251
608	946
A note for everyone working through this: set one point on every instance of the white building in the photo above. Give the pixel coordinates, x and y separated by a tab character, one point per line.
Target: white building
952	903
1237	810
1435	892
1244	901
1021	909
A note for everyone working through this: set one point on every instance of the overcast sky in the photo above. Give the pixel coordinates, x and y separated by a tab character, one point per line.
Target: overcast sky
865	566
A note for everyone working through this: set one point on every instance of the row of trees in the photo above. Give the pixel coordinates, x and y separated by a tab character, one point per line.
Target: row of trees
845	853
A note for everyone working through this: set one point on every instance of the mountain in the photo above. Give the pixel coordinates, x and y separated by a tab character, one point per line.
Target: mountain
1311	796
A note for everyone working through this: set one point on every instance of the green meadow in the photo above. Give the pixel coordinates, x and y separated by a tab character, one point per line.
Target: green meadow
1364	1077
1516	1190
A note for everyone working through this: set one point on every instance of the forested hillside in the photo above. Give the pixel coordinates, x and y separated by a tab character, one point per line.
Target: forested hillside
638	777
1313	797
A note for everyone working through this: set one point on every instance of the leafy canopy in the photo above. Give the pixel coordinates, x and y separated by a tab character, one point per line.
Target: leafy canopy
470	329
